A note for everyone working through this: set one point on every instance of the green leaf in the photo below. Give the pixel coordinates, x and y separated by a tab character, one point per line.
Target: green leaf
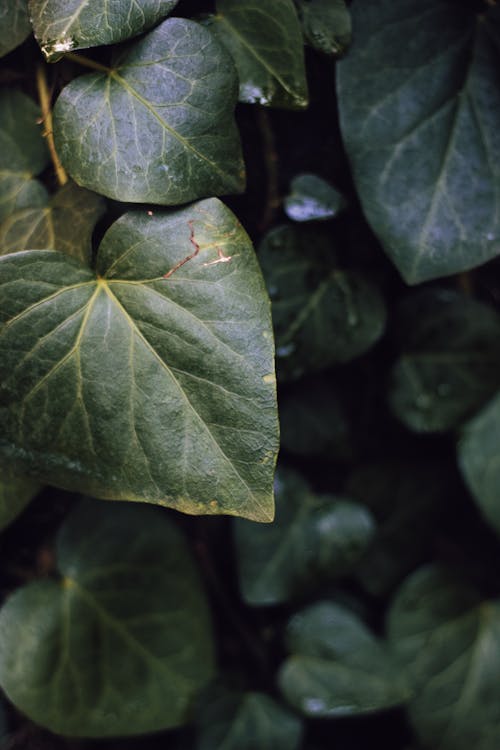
265	42
14	25
247	721
15	494
66	223
158	127
450	363
448	643
419	95
312	199
479	459
326	25
153	381
64	25
121	644
23	153
313	538
322	314
338	667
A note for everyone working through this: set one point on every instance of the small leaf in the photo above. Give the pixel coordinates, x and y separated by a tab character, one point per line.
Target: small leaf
64	25
66	223
418	95
23	153
312	199
313	538
248	721
322	315
154	379
337	668
15	494
448	643
479	459
122	643
326	25
265	42
15	25
159	126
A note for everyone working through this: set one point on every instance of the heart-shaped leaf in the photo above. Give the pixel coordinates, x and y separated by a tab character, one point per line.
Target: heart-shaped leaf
15	494
312	199
14	24
447	641
152	380
338	667
312	538
66	223
64	25
23	153
326	25
158	127
121	644
419	94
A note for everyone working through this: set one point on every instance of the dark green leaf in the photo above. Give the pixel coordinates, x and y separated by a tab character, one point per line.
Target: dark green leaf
265	42
419	94
14	24
64	25
326	25
450	363
23	153
249	721
338	668
15	494
479	458
66	223
448	643
312	199
322	315
159	126
122	643
136	386
312	539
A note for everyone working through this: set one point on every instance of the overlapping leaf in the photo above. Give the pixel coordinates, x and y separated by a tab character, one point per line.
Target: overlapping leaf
448	643
122	642
64	25
326	25
312	199
419	94
158	127
14	24
154	379
265	42
15	494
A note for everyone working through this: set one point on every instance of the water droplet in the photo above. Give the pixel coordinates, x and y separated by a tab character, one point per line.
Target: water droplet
286	350
314	705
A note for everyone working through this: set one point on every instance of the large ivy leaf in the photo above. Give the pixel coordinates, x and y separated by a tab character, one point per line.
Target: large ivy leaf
122	641
64	25
158	127
450	363
419	94
448	643
152	381
66	223
246	721
23	153
479	458
338	667
326	25
14	24
265	41
313	538
15	494
322	314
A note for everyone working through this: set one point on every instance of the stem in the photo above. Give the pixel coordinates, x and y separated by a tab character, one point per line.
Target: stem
87	62
464	283
273	199
45	97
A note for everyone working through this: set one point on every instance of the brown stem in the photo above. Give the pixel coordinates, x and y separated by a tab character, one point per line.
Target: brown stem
273	199
87	62
464	283
45	101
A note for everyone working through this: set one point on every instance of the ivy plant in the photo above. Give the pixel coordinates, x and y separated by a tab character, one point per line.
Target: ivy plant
232	229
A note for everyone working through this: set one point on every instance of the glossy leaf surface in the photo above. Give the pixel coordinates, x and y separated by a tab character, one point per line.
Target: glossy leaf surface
418	94
14	24
158	127
448	643
66	223
337	668
326	25
154	380
312	199
119	645
265	42
15	494
64	25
